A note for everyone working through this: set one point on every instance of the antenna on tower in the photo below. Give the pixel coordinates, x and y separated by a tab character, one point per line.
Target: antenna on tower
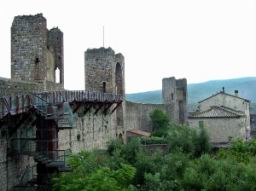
103	36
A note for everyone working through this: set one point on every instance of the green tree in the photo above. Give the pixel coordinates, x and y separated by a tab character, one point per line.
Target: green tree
201	141
160	122
91	172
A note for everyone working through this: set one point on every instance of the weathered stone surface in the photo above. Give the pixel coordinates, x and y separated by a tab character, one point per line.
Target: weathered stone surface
175	98
103	66
36	54
220	126
138	115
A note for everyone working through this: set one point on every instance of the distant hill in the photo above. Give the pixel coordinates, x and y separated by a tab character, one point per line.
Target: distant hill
199	91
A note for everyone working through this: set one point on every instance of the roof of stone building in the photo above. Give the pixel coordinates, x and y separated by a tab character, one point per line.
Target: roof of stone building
139	132
224	93
217	112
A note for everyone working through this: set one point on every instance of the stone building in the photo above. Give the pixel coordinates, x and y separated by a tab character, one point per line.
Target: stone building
224	116
37	65
36	52
174	94
253	124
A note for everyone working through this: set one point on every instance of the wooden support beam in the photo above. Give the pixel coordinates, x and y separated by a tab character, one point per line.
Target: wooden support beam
77	106
117	105
88	108
107	108
97	110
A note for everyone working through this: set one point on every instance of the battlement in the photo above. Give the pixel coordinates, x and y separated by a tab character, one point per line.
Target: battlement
101	50
28	19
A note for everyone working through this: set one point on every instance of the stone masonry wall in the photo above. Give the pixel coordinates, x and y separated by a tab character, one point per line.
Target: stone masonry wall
233	102
138	115
55	42
175	97
221	129
11	87
13	167
28	48
99	69
90	131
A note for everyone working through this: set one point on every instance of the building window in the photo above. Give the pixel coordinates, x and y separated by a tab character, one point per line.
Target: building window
104	87
172	96
57	75
37	60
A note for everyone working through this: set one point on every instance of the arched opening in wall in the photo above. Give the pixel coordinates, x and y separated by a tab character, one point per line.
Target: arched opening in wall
119	90
119	79
104	87
57	75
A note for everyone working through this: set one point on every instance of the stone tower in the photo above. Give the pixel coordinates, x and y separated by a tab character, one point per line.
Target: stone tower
104	71
36	53
28	48
174	94
55	46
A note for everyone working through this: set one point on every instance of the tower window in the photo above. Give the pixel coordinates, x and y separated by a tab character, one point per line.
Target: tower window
104	87
57	75
37	61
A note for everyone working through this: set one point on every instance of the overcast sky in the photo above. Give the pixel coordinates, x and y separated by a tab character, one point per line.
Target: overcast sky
200	40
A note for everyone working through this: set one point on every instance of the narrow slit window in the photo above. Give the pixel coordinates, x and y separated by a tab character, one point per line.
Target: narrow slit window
57	75
104	87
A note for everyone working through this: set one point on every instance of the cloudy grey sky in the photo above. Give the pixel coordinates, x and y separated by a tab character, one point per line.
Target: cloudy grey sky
197	39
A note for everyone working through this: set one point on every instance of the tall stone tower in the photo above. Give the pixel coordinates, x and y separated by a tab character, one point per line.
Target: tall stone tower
28	48
55	46
104	72
175	98
36	53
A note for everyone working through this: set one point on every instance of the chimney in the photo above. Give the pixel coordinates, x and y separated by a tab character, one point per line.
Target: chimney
236	92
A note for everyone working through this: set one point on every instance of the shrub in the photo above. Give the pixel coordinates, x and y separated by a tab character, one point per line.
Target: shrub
160	123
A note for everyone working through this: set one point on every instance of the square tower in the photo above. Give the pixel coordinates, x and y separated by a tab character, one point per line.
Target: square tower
28	48
174	94
36	53
104	71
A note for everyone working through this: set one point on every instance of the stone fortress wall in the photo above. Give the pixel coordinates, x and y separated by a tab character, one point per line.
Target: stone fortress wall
36	53
174	104
36	57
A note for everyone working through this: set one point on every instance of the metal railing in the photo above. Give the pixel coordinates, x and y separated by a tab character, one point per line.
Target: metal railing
22	103
28	174
40	150
56	156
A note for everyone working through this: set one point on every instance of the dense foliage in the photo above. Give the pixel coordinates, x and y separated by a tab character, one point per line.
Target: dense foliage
187	164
